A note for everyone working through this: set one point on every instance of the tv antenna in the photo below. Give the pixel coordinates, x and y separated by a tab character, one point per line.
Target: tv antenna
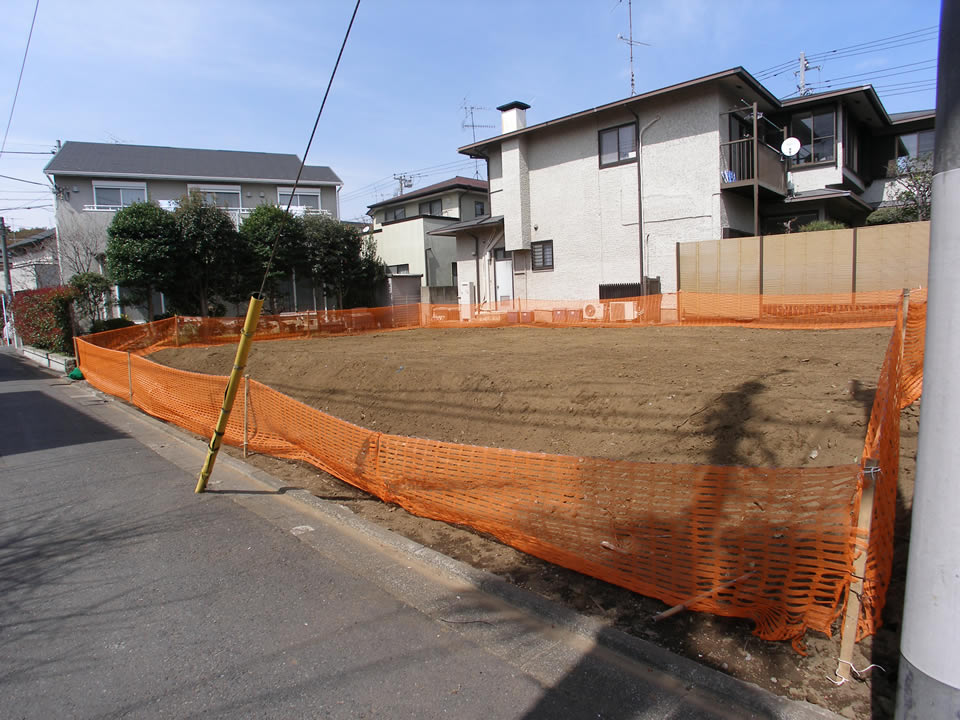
631	42
473	125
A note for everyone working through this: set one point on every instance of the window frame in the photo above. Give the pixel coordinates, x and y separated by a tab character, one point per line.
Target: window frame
797	164
479	208
429	204
300	191
204	189
620	160
394	210
398	271
541	245
121	186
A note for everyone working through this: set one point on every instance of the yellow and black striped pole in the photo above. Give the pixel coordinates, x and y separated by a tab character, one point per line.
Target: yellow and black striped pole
236	377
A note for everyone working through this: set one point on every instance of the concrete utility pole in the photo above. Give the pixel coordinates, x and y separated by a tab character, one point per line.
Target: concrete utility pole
929	681
7	287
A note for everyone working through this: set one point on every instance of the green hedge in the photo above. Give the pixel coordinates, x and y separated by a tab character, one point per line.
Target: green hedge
42	318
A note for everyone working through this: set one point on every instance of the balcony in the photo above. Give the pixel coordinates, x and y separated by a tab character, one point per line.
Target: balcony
746	162
238	215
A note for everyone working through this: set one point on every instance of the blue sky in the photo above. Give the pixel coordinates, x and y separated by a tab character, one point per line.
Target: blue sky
241	75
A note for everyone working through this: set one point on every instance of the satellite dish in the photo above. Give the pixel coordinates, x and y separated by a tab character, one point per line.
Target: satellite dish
790	146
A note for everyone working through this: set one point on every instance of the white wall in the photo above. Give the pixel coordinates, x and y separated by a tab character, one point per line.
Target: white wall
590	213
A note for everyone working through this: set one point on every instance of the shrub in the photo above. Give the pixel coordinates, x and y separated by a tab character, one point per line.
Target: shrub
890	214
817	225
42	318
110	324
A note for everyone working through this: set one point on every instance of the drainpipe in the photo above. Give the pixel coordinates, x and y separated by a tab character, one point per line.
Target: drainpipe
643	278
476	260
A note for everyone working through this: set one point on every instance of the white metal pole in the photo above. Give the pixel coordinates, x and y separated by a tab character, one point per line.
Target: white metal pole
929	677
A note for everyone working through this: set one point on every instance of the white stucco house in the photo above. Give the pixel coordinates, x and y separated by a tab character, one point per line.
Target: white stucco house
34	262
593	204
403	225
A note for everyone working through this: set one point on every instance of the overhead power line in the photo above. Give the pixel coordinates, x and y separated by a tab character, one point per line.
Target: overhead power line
316	123
30	182
889	43
23	64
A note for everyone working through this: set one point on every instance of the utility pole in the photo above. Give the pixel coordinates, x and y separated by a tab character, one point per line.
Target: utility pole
802	74
928	684
7	287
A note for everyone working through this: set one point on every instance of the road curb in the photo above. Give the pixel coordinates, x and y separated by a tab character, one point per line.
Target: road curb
687	671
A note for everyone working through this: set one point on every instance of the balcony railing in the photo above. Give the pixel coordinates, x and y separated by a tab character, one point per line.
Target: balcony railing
737	165
238	215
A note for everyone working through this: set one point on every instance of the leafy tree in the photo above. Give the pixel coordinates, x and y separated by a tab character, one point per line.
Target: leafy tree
92	294
912	191
209	258
141	254
258	232
341	260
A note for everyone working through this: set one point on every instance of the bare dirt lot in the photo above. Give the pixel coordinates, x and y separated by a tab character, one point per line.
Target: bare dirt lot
702	395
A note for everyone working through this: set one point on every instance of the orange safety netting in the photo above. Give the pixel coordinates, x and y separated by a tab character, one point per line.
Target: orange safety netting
773	545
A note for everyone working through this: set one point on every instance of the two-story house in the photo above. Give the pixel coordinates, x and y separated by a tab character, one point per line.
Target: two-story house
403	225
600	198
94	180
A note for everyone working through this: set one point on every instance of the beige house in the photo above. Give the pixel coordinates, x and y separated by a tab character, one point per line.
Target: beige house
94	180
403	227
593	204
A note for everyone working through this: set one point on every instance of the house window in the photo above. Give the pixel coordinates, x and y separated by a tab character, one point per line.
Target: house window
501	254
222	196
114	197
915	145
541	254
432	207
851	144
618	145
479	208
397	213
816	131
398	269
301	199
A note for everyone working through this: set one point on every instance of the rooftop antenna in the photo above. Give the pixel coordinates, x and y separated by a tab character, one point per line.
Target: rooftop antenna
473	125
631	42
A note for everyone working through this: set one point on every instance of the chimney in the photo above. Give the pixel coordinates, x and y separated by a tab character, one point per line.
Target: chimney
513	116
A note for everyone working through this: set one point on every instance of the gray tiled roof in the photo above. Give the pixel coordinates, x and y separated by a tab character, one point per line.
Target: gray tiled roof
109	159
452	184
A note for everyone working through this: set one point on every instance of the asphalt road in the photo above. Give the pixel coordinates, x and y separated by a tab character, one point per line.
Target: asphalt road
123	594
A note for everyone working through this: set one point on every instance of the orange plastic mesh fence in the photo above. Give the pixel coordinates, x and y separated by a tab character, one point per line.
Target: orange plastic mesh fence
774	545
911	371
882	445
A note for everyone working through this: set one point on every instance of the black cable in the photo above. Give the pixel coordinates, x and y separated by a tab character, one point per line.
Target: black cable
293	190
31	182
20	78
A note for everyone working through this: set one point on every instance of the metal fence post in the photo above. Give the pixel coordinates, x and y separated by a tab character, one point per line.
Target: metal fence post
246	411
130	376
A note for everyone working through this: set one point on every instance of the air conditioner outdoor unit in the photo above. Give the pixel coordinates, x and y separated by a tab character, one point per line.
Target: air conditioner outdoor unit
592	311
623	310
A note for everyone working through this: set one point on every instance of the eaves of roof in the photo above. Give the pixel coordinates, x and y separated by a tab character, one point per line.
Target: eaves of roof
482	221
475	149
867	90
457	183
195	178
